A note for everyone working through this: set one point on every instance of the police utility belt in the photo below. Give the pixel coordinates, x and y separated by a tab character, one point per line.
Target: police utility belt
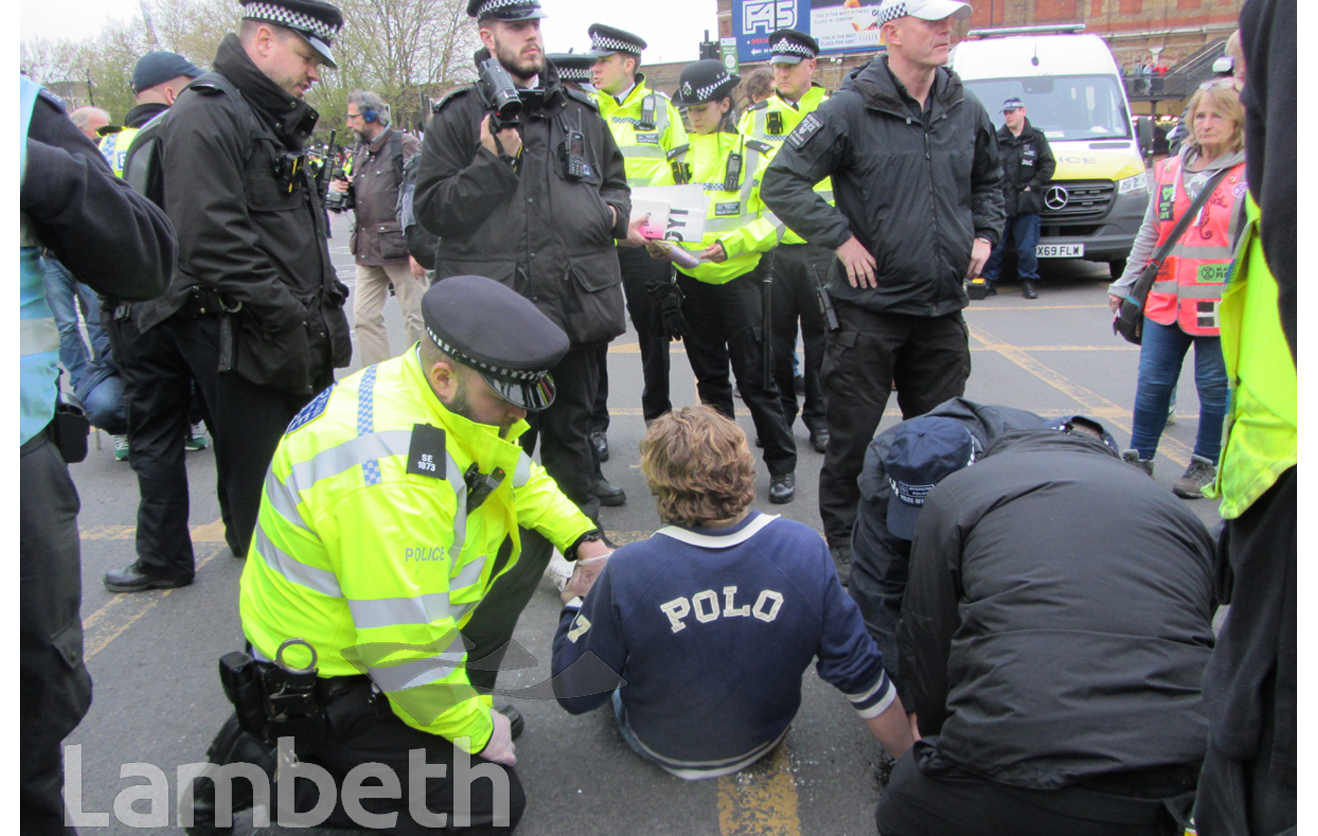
274	699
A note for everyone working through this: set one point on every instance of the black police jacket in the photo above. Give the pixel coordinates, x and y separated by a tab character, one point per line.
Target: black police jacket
1027	165
1058	616
915	190
546	235
257	238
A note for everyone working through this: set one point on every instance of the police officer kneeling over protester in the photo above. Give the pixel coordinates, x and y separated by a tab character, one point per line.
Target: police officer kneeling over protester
724	293
391	512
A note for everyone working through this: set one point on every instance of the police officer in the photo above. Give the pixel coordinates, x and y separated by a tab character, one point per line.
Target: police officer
121	244
649	131
158	78
800	270
574	69
407	539
724	293
1028	165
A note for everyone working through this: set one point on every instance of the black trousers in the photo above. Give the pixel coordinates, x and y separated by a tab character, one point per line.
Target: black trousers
160	369
927	357
726	325
945	800
55	689
798	270
563	430
1248	784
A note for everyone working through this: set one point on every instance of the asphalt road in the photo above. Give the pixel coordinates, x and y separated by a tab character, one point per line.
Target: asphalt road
153	655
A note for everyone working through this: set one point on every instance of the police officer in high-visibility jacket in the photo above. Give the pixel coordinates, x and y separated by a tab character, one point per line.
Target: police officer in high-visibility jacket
724	293
158	78
800	270
390	541
649	131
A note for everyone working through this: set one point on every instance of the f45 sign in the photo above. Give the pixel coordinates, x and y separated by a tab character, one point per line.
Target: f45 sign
769	15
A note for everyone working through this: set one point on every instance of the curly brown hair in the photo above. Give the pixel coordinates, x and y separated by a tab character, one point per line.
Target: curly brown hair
698	466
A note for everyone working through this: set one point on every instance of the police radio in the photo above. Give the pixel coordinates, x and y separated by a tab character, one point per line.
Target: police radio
732	174
573	151
647	113
775	122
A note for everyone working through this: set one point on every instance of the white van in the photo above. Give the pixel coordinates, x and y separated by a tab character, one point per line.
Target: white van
1073	93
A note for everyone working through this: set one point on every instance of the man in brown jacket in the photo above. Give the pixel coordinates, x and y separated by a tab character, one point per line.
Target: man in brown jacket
378	241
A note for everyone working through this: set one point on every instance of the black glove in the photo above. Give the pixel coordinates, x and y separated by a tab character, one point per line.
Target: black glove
668	300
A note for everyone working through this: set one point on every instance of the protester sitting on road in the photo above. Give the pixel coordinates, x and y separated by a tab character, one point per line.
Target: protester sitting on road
707	626
1181	309
1057	656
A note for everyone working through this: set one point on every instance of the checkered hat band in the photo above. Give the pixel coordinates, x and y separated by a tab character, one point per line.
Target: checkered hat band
603	43
293	20
887	13
491	6
705	92
793	48
498	371
573	74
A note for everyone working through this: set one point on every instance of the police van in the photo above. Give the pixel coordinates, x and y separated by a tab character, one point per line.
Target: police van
1073	93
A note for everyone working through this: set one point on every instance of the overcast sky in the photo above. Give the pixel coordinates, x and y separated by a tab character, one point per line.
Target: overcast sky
673	28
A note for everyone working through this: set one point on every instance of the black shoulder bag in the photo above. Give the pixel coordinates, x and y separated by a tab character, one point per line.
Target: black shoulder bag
1129	322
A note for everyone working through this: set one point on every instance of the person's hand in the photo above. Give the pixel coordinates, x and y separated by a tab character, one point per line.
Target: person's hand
418	271
613	215
714	252
915	725
501	748
858	263
509	138
634	237
1114	302
658	251
585	571
337	185
979	256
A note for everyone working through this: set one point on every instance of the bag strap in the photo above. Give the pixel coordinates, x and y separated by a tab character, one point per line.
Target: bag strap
1182	224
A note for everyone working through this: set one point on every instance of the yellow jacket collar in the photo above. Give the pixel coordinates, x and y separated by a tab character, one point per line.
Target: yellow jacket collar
478	442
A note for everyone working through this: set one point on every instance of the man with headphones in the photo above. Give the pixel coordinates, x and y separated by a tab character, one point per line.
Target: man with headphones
377	240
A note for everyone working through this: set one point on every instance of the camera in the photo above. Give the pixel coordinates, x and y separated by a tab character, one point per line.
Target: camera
499	95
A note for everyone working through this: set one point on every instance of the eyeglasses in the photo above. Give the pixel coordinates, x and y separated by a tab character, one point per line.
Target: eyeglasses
1220	82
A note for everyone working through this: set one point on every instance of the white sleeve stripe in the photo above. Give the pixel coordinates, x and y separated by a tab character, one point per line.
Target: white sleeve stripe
879	685
880	706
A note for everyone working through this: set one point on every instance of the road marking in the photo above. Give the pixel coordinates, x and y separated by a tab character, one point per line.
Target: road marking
1091	401
1034	308
122	612
635	348
760	800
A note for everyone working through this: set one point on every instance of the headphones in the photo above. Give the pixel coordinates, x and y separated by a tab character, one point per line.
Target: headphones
370	115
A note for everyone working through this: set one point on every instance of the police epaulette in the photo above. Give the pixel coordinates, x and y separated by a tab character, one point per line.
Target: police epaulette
584	98
674	153
756	145
52	98
760	105
453	94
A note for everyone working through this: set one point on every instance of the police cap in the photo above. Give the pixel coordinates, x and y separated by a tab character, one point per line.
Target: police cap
573	66
792	47
605	40
502	335
315	20
704	81
505	10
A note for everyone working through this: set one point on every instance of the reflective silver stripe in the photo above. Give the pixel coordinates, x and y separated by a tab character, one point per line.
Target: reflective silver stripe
388	612
349	454
284	499
37	336
469	576
420	671
459	487
1218	253
752	169
650	151
1164	286
522	474
727	224
1199	291
293	570
826	194
779	226
638	182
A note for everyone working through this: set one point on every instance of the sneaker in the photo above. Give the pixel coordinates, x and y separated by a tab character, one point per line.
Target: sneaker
1191	484
842	562
1028	289
120	447
197	439
1132	456
559	571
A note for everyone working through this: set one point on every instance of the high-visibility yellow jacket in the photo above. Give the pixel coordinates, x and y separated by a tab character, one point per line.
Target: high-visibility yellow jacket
364	546
758	123
648	148
114	147
1262	424
735	218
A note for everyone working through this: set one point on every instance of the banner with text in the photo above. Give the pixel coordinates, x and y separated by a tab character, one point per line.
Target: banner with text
838	25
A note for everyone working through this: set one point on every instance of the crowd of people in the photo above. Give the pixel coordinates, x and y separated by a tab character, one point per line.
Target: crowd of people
1030	669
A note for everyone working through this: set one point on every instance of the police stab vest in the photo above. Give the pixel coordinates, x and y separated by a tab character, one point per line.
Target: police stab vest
38	337
771	120
1189	284
646	128
115	149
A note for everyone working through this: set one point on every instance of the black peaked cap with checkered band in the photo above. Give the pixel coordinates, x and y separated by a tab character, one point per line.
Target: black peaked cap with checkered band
789	46
316	21
605	40
505	10
499	333
704	81
573	66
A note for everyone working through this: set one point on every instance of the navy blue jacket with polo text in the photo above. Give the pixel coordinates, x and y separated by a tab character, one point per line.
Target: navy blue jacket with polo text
711	631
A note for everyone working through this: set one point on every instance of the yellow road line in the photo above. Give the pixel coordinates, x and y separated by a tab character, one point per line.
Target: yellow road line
122	612
1089	401
760	800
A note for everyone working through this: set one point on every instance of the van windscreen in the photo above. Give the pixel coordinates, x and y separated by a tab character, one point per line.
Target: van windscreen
1071	107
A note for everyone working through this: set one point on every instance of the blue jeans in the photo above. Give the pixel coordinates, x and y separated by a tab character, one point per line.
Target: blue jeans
95	378
1161	353
1023	230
